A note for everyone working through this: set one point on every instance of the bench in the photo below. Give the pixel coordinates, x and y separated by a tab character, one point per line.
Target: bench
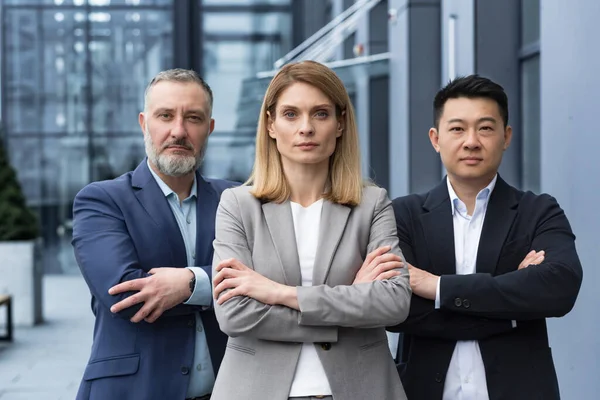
6	300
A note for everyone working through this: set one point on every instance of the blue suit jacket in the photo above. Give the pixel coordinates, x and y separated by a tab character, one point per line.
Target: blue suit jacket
122	229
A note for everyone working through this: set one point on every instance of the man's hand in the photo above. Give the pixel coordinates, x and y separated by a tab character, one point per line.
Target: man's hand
163	290
533	258
244	281
379	265
422	283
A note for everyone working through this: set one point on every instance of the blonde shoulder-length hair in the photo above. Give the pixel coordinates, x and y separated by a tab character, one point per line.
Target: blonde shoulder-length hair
345	178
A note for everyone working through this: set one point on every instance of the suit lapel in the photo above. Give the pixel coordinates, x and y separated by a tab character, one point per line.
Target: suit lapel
438	229
499	217
156	205
207	202
281	226
333	223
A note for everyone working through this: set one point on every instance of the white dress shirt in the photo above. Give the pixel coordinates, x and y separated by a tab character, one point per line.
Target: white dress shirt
309	378
465	379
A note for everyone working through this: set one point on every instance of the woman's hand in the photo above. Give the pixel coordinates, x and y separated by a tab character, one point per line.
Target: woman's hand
379	265
235	279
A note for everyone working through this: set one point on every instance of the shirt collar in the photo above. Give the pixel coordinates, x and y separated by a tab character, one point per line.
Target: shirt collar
167	191
484	194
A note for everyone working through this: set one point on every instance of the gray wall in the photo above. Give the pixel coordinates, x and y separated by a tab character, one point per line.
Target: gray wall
415	75
497	33
570	85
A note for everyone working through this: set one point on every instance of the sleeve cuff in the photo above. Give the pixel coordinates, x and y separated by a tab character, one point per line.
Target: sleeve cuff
202	295
437	294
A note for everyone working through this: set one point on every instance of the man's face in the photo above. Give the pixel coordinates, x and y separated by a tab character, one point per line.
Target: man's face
176	126
471	138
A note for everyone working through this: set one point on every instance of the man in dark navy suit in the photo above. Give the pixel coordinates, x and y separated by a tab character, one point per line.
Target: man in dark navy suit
489	263
143	242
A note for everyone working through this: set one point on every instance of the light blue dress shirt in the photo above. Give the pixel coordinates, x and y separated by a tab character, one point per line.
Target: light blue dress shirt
202	375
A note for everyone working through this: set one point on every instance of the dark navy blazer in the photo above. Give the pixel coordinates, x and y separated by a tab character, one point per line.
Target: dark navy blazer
122	229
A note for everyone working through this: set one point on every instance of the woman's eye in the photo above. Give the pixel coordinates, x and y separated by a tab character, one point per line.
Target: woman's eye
289	114
322	114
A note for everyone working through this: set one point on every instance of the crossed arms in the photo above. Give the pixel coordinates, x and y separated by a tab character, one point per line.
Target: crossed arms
251	305
527	293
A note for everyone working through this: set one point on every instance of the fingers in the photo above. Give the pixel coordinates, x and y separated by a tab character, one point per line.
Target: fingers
225	274
541	255
377	252
129	286
387	266
143	312
387	275
129	301
532	258
384	258
228	295
154	315
231	263
224	285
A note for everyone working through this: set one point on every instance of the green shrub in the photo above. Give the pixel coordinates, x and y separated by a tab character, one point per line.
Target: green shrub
17	221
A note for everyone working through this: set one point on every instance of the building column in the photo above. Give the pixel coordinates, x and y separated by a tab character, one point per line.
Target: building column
415	75
569	171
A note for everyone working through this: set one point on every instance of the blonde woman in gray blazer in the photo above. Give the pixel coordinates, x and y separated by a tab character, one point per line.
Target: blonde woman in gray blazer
307	271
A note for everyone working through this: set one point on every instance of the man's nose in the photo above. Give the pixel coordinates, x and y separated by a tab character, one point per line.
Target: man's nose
472	140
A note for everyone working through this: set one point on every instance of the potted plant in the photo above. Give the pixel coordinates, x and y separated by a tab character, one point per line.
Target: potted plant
20	272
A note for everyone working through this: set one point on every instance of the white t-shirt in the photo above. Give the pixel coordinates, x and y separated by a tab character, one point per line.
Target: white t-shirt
309	378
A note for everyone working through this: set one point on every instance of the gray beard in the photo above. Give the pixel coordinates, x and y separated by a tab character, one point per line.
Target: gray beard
173	164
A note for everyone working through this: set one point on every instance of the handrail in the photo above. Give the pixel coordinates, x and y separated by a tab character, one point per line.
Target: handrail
319	34
336	64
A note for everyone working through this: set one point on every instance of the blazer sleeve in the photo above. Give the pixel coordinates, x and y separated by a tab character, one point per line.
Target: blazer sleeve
242	315
104	250
364	305
540	291
424	319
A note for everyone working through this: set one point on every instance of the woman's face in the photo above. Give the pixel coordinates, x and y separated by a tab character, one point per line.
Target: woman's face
305	126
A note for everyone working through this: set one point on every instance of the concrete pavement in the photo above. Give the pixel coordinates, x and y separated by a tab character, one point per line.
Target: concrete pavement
47	361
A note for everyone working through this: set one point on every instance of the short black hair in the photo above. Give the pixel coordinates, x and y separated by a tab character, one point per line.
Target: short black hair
471	86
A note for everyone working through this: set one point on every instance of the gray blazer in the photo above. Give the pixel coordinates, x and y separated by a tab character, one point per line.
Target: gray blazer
345	322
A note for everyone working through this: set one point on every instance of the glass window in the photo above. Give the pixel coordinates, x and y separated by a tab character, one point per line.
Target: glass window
237	46
81	3
530	21
530	98
127	48
73	85
244	2
246	23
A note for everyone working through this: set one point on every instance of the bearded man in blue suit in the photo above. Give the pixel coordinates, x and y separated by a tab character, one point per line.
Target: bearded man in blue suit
143	242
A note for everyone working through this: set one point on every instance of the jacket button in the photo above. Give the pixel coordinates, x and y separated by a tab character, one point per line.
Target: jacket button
326	346
466	303
458	302
185	370
438	378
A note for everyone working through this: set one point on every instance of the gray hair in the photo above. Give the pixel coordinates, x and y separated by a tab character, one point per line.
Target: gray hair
179	75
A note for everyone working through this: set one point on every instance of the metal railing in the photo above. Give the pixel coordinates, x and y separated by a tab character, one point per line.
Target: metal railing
322	44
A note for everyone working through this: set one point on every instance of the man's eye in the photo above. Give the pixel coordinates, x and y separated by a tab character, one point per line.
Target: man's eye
455	129
486	128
